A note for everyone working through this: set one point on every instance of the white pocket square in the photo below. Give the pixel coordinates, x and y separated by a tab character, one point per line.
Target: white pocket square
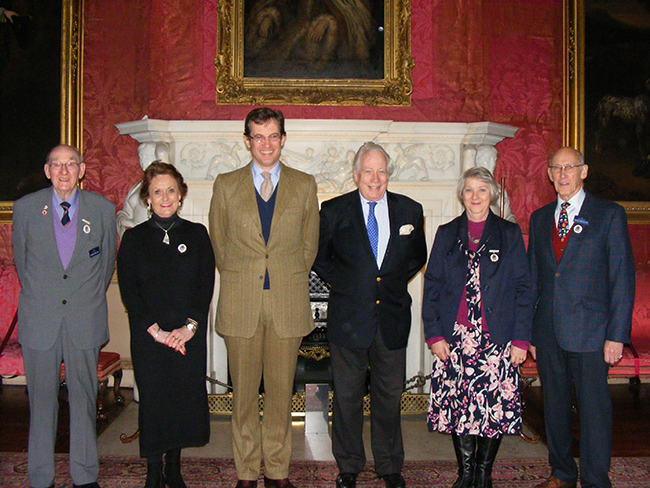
406	230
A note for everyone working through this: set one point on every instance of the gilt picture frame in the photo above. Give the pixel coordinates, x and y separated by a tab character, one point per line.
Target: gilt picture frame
305	59
63	90
604	80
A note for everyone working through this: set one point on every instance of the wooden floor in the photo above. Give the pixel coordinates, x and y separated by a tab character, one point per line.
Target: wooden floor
14	418
631	419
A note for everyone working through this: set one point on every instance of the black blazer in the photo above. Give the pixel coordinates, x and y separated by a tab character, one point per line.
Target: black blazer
586	298
506	292
363	298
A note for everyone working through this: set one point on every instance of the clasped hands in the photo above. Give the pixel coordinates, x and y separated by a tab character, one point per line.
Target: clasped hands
441	349
175	339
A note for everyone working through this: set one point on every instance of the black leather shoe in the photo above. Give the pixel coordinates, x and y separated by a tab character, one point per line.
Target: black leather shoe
87	485
346	480
394	480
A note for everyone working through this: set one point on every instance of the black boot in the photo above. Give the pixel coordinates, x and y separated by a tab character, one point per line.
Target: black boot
464	445
154	473
486	452
173	476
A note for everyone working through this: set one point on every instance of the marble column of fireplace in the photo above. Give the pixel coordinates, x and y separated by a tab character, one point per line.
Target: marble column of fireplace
429	158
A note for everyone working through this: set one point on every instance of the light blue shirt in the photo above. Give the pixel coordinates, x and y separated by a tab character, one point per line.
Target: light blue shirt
73	201
383	223
258	179
573	210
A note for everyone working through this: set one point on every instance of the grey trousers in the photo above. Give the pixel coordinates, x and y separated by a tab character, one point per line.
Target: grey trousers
42	370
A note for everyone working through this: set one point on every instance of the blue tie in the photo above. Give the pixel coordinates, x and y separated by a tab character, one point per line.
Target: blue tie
373	228
66	218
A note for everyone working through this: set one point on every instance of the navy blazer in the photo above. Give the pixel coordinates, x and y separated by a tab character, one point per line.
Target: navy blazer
586	298
506	292
364	298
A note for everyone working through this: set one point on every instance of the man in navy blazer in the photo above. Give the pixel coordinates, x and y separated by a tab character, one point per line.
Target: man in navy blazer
583	277
369	311
64	241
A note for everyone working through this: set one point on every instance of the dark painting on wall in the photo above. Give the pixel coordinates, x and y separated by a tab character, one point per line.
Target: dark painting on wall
312	39
30	93
617	99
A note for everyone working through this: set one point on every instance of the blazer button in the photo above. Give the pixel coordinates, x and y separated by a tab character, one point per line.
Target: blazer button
378	279
267	256
378	302
64	302
489	310
261	277
65	277
557	275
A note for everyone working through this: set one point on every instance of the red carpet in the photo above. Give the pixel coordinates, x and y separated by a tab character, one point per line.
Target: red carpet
129	472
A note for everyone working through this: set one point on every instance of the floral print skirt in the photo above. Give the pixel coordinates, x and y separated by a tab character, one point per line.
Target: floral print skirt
476	391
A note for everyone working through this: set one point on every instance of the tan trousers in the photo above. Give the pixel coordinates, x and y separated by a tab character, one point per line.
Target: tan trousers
265	354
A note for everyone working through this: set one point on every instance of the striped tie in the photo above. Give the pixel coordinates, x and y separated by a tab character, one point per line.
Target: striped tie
66	218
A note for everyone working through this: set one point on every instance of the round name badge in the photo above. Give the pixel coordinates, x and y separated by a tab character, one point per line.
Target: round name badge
86	229
577	228
494	257
182	248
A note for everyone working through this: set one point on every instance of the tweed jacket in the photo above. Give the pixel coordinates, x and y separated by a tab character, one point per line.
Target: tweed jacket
586	298
242	257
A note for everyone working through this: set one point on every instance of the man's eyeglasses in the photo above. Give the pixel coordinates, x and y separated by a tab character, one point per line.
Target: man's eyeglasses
567	169
70	165
259	139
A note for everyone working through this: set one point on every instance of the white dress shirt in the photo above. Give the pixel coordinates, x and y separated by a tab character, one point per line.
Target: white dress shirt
383	224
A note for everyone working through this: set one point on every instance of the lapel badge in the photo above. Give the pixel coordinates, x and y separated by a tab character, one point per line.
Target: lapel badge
182	248
494	255
577	228
581	220
44	212
86	227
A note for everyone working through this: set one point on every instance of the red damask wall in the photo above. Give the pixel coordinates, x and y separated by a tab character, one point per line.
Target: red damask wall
474	60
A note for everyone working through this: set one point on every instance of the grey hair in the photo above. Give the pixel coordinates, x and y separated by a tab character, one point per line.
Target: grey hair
48	159
581	157
482	174
368	147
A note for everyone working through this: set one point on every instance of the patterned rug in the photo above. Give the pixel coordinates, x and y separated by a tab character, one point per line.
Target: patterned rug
129	472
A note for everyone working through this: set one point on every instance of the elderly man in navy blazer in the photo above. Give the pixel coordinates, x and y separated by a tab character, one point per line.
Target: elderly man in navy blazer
583	277
371	245
64	241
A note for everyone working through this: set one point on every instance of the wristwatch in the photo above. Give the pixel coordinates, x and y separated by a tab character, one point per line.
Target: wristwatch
192	325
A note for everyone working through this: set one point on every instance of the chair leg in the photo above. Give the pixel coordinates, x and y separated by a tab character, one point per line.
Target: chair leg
117	382
101	412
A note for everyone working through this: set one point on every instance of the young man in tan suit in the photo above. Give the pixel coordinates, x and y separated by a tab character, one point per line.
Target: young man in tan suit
264	230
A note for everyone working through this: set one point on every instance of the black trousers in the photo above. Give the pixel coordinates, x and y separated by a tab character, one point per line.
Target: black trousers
349	371
588	372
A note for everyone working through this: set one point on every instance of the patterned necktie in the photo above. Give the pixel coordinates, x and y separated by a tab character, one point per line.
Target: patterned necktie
66	218
373	228
266	190
563	222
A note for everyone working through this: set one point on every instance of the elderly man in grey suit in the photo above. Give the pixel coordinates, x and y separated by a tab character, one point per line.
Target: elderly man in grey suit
64	243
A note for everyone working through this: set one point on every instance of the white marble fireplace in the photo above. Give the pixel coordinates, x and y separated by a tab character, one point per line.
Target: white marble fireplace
429	158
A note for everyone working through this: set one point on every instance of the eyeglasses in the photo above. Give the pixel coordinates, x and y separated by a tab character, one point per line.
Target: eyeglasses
70	165
260	139
567	169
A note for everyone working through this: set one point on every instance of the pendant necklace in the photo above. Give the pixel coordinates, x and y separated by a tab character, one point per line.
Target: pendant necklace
166	238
